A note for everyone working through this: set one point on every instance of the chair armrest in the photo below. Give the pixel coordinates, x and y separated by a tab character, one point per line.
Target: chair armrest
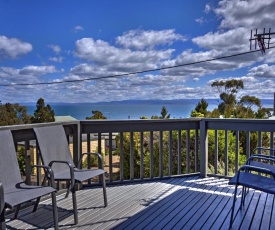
91	153
2	201
70	167
48	171
256	169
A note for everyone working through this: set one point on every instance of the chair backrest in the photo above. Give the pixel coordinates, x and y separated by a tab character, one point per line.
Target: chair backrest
9	167
53	146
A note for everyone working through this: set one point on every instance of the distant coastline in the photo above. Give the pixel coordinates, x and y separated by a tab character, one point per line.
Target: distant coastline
131	109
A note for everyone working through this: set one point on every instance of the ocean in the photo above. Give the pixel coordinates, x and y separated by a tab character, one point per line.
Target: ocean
131	109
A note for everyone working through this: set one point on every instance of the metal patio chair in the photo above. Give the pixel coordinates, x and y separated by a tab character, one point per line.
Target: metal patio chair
13	191
55	153
257	173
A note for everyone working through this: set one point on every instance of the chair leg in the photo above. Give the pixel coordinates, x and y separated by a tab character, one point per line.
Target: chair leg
17	208
74	205
55	213
243	197
36	204
104	191
2	220
68	190
233	207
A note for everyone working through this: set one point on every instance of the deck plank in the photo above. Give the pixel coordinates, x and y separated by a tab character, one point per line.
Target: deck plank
181	202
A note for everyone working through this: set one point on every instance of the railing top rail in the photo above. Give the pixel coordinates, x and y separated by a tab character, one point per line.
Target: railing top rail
25	132
265	125
138	125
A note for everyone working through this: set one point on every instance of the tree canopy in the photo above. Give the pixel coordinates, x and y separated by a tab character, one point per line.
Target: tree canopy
164	114
43	113
96	115
12	114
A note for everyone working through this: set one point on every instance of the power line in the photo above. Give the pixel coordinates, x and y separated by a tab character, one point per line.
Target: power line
132	73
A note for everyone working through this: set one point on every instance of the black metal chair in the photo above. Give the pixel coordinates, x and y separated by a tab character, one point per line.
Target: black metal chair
258	173
13	191
55	153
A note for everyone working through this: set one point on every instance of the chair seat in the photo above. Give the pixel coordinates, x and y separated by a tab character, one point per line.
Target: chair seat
255	181
21	193
80	175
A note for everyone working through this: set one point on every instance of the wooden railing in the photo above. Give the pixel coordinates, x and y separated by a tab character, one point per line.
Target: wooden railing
150	149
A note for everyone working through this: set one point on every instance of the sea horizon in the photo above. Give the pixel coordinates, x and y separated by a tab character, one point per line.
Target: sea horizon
131	109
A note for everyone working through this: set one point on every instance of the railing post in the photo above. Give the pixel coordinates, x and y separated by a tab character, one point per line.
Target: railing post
76	143
203	148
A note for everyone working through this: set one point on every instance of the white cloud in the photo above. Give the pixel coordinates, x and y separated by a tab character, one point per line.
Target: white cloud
78	28
235	40
140	39
55	48
249	14
28	74
37	70
13	47
263	71
200	20
56	59
119	60
207	8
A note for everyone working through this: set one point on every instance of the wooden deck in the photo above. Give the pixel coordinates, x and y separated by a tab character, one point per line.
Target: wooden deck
178	203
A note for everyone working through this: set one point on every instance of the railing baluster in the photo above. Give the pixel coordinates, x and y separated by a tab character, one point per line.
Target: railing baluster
28	162
111	156
131	156
237	152
216	157
160	154
188	151
121	156
247	145
271	143
151	154
226	153
260	140
141	156
196	150
203	148
170	168
179	152
88	141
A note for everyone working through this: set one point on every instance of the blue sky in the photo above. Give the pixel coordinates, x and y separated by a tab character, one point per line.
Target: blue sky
55	41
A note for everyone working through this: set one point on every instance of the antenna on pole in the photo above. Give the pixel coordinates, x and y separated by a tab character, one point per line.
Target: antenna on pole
260	40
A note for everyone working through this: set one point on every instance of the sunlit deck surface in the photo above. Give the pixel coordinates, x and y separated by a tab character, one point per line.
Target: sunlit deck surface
175	203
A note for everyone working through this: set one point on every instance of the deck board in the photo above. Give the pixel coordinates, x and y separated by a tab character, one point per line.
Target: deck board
172	203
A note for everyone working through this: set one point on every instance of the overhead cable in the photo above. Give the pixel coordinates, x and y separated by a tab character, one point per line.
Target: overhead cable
131	73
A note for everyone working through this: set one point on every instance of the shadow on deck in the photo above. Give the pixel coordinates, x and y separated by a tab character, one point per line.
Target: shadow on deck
174	203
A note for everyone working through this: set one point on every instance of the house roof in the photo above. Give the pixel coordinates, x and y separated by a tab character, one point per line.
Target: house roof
64	118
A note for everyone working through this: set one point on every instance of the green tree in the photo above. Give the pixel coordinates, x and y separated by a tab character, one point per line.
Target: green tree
200	109
43	113
227	93
249	101
13	114
96	115
164	114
